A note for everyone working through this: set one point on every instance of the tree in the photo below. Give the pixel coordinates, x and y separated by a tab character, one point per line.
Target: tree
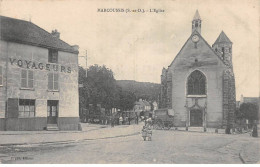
99	87
248	111
127	100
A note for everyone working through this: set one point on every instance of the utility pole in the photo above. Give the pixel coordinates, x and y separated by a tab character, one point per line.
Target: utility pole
86	58
86	63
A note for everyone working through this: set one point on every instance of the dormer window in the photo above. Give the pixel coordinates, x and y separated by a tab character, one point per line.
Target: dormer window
53	56
216	49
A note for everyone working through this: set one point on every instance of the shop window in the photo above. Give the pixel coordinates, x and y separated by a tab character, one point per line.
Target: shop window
53	56
26	108
1	76
27	79
196	83
53	81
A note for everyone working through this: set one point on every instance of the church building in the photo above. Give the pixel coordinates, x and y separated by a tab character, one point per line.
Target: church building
199	84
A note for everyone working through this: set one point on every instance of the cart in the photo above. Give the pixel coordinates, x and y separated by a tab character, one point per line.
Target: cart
162	119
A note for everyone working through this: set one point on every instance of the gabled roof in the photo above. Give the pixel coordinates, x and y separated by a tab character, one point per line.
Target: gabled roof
142	103
197	16
25	32
222	38
197	33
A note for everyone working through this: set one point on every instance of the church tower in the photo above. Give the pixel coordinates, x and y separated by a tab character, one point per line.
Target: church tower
196	22
223	48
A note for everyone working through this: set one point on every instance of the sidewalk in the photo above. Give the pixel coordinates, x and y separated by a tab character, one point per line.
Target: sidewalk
89	132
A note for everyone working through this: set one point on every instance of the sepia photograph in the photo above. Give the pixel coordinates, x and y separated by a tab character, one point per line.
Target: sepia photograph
129	82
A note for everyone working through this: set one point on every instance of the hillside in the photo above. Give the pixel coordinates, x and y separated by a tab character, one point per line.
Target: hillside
144	90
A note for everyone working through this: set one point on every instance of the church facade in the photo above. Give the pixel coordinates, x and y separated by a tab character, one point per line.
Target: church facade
199	84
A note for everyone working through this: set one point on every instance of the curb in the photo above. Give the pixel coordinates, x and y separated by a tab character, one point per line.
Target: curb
65	141
48	132
241	158
207	132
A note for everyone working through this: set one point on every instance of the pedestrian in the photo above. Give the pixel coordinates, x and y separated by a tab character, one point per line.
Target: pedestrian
126	120
254	132
111	121
149	121
120	120
129	120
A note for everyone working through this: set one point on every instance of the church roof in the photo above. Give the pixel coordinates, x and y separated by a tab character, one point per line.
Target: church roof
25	32
222	38
196	32
197	16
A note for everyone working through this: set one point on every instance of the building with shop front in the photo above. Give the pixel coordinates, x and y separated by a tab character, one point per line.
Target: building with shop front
199	84
38	78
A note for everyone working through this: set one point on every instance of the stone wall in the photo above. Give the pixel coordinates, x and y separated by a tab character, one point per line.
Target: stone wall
3	59
163	90
229	98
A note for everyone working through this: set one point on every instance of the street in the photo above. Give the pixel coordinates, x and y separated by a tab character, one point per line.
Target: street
165	147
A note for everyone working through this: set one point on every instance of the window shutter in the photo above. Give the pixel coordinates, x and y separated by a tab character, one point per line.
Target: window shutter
12	108
24	78
56	81
1	75
30	79
50	81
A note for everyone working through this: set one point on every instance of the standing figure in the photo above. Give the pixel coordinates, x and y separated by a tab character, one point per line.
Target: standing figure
120	120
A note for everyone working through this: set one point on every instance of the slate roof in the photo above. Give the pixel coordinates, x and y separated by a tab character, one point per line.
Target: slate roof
197	16
222	38
20	31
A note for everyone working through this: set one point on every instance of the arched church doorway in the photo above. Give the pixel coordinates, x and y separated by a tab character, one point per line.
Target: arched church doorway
196	117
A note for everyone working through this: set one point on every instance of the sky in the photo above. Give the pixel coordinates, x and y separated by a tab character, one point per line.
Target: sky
136	46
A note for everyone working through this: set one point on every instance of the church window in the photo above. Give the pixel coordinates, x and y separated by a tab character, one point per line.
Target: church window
196	83
223	52
196	24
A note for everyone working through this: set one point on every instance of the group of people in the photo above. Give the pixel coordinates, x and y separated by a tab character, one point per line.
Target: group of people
123	120
127	120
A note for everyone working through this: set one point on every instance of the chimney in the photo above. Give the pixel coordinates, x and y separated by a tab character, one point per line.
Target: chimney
55	33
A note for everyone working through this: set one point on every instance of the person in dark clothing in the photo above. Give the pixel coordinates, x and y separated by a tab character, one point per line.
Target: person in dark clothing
129	120
255	133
